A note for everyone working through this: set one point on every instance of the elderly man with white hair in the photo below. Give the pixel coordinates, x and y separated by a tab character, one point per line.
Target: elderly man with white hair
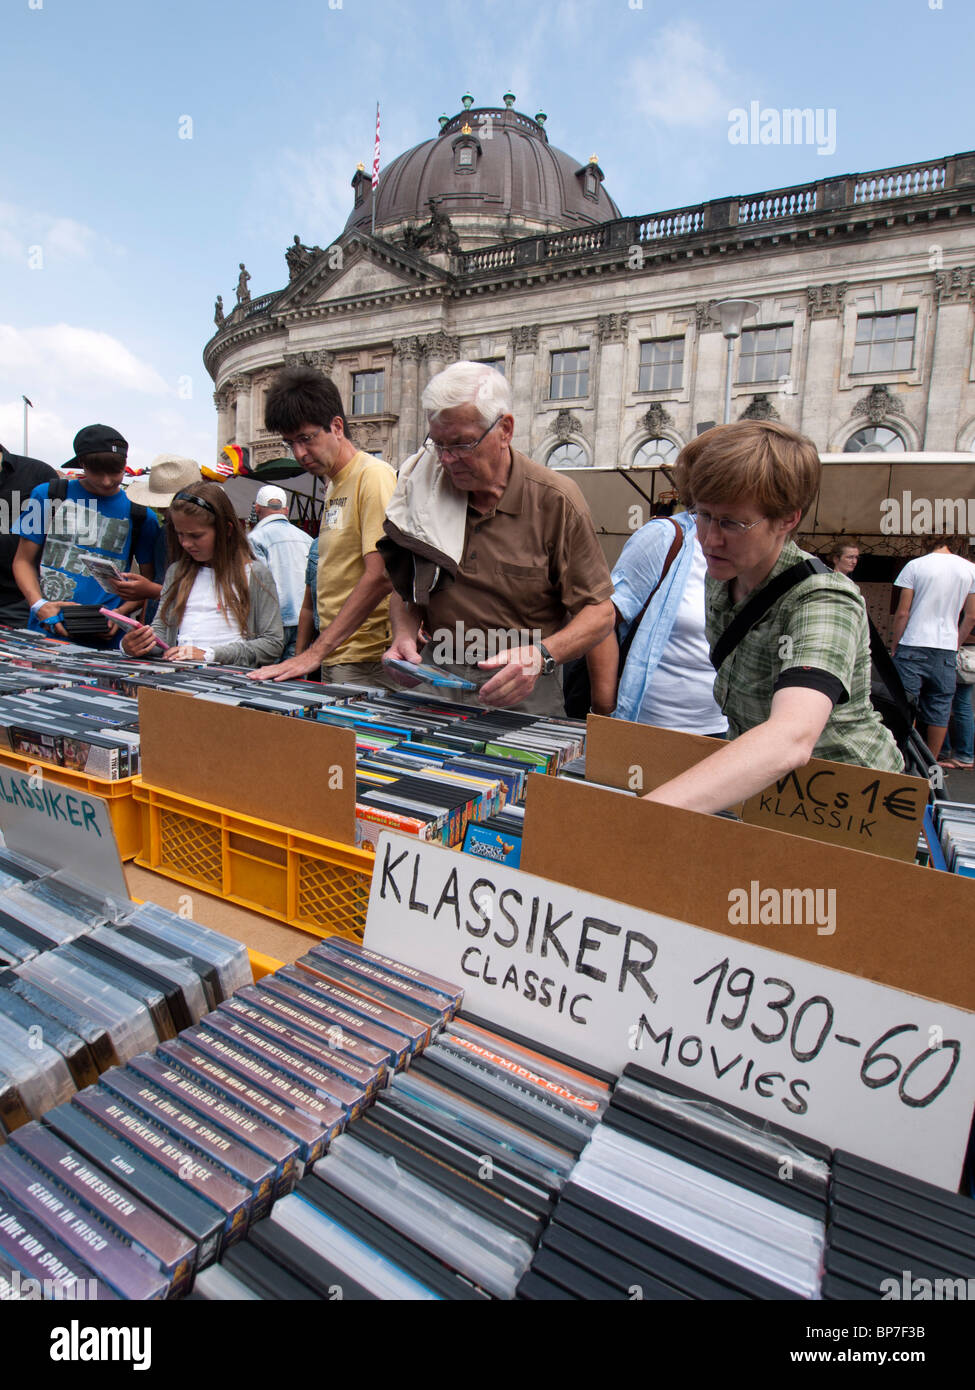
497	571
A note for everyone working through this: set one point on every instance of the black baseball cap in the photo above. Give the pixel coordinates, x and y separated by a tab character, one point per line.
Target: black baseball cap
98	439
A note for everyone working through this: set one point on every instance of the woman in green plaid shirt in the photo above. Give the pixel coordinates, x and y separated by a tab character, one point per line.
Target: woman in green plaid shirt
797	685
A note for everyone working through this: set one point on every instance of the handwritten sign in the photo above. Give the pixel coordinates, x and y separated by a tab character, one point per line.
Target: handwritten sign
850	1062
61	827
880	812
838	803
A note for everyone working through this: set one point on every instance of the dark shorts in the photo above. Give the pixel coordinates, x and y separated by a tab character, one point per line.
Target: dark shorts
928	674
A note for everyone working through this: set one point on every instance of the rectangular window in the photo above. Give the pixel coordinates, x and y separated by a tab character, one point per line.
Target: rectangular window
884	342
570	375
661	365
367	393
765	354
496	362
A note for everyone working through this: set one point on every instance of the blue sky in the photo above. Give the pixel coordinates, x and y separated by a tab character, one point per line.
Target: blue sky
116	234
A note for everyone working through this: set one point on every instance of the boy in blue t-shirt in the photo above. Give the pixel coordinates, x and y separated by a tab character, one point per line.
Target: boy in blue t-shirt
94	518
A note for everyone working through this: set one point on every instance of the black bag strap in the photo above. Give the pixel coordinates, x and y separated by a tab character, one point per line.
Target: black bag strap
672	553
756	608
886	688
139	514
57	491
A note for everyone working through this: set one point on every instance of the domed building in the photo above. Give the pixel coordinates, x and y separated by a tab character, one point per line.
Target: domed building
493	173
488	242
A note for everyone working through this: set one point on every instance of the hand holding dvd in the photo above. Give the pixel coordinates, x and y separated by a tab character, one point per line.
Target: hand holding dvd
411	673
140	640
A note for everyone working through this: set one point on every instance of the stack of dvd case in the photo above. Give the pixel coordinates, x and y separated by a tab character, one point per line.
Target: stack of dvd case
95	982
678	1197
81	727
955	825
184	1145
892	1236
440	1191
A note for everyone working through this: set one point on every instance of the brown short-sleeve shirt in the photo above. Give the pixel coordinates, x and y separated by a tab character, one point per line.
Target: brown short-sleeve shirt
533	563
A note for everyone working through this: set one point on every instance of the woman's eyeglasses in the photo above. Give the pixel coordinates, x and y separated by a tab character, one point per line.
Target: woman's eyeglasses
725	524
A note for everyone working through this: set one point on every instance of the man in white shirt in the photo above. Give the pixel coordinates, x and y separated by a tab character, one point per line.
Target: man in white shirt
284	549
927	632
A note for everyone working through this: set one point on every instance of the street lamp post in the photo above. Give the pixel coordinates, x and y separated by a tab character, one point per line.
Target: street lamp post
732	313
26	404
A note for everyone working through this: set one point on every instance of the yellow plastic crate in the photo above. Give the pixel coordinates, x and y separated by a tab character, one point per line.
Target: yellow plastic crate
125	814
318	885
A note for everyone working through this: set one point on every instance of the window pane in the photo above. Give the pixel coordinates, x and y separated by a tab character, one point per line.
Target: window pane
875	440
882	357
570	374
861	355
903	353
655	452
367	393
567	456
864	330
883	327
905	325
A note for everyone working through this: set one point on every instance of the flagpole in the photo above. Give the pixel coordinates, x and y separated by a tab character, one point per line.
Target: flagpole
375	171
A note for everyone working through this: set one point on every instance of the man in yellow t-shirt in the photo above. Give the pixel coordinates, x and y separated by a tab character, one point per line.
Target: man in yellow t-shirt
305	408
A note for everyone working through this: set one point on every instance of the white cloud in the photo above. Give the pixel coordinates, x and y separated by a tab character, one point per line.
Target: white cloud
61	239
72	361
684	82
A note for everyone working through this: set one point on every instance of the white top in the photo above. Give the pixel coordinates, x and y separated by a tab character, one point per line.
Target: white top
680	695
941	584
206	623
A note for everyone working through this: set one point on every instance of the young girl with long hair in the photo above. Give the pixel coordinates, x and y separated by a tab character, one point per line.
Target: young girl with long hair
218	603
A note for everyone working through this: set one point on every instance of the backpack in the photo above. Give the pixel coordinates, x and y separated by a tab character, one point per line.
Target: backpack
576	689
887	694
57	491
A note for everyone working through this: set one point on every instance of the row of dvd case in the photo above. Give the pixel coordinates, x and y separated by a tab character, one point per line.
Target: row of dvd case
138	1182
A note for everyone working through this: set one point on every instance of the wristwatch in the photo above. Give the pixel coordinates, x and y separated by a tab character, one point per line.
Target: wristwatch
548	660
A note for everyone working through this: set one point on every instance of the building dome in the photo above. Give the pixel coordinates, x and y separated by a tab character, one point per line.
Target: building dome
493	173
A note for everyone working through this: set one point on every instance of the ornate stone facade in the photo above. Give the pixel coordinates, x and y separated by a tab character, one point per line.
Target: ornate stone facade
571	303
825	301
879	405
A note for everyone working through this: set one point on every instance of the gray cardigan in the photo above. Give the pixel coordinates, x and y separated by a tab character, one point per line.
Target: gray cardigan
264	640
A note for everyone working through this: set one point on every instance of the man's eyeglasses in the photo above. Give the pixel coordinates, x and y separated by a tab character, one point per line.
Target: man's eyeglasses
462	449
725	524
303	439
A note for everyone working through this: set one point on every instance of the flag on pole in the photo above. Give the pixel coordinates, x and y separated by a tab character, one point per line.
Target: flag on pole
375	171
375	154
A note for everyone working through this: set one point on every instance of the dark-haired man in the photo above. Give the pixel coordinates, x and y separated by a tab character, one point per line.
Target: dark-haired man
305	408
66	520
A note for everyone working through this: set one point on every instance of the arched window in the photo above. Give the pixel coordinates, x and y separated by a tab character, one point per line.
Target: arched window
655	452
567	456
876	439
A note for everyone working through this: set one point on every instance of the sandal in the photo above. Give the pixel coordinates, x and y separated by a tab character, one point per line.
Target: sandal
948	763
964	767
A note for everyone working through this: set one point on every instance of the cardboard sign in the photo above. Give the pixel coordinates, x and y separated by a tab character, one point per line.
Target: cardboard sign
294	772
898	924
852	1063
61	827
838	803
